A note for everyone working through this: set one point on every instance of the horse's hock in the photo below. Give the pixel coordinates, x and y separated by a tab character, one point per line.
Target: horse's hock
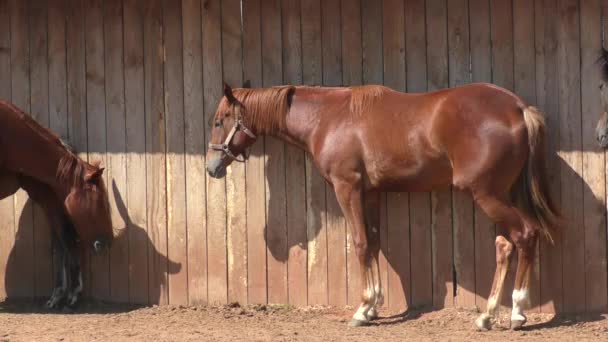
137	84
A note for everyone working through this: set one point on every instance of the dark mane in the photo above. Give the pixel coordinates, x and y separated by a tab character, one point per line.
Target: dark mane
266	108
71	170
603	61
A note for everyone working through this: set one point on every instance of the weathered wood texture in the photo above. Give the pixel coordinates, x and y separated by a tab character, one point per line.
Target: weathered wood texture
134	84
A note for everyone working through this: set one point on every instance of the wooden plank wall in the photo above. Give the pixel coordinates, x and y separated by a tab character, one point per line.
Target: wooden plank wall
134	83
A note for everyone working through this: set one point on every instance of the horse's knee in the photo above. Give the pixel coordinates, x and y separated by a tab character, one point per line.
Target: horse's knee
503	249
361	249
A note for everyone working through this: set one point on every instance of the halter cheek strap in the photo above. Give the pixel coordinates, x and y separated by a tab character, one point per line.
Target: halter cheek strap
225	146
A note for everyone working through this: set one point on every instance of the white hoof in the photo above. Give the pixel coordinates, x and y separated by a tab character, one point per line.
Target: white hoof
372	314
483	322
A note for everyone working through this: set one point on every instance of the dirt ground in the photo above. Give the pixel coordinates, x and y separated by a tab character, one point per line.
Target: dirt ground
101	322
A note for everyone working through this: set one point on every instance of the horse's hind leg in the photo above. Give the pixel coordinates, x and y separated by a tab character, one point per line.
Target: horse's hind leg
525	240
523	232
503	254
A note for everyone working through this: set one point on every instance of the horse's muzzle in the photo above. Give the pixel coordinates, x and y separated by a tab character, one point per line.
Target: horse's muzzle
602	140
216	168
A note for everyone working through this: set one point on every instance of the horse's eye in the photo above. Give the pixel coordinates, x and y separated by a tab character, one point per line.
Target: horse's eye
218	124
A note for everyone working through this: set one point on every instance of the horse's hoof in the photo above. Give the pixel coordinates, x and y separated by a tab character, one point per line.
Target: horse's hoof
517	324
357	323
67	309
372	315
483	323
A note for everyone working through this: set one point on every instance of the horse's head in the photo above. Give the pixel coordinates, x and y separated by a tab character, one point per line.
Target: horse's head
602	125
230	138
89	209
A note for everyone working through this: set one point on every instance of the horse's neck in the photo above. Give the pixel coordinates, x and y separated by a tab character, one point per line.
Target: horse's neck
31	153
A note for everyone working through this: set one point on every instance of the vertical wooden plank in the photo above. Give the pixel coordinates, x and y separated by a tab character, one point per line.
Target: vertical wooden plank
195	133
547	99
136	217
373	73
276	232
235	181
295	163
594	177
352	75
155	153
524	77
76	77
568	62
20	84
312	73
441	201
463	210
216	189
255	187
485	230
177	235
7	212
39	92
57	71
420	203
116	145
96	122
399	276
336	225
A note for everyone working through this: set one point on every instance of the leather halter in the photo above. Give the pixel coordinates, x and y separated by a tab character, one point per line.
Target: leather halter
225	146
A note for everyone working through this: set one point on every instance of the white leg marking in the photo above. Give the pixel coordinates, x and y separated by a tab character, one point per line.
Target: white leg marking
521	300
362	313
73	297
58	292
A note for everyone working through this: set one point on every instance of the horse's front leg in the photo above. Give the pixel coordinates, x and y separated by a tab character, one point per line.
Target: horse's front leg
350	198
61	281
372	215
75	286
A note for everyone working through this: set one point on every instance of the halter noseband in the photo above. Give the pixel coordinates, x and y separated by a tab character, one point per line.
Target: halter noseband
225	147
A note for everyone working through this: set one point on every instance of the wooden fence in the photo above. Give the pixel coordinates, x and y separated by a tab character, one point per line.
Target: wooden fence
134	83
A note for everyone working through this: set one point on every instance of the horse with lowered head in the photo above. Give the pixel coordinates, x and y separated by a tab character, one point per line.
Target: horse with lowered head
70	191
480	138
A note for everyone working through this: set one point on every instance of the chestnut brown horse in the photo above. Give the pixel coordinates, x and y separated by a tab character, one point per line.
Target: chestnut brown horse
480	138
70	191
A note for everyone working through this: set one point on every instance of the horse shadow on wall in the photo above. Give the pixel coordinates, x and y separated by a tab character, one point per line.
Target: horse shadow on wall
20	285
559	172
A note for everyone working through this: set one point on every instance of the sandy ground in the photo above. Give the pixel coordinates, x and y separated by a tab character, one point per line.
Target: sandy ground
101	322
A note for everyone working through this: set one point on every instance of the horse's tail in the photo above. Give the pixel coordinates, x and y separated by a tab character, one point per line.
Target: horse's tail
535	187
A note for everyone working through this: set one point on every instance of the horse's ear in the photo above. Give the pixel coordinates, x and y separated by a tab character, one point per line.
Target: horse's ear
94	176
228	94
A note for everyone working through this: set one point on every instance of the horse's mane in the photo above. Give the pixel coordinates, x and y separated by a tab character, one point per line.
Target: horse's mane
71	169
266	108
363	97
603	61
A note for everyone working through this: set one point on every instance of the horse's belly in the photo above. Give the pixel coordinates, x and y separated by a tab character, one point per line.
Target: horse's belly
404	177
